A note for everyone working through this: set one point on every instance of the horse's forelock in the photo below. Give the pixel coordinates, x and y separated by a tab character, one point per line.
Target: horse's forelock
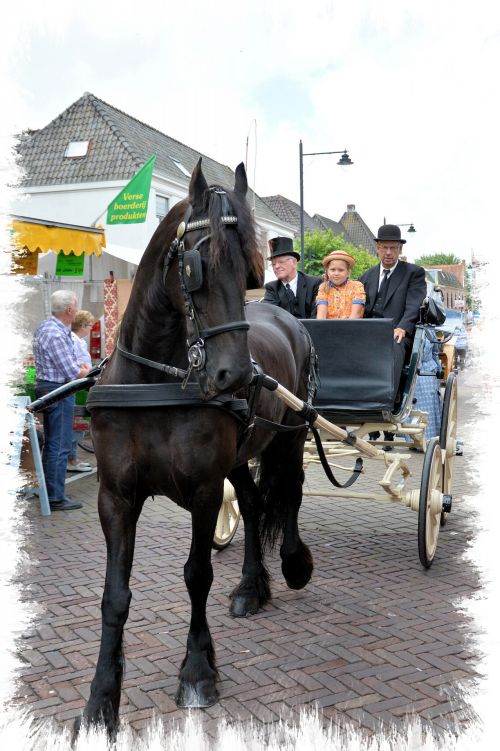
220	249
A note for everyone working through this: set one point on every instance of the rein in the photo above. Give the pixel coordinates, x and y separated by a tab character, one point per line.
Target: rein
190	280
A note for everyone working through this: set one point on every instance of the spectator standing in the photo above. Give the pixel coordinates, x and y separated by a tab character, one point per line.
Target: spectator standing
461	346
56	363
427	396
80	328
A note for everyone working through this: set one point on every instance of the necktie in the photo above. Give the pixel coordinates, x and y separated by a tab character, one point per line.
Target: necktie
290	297
382	290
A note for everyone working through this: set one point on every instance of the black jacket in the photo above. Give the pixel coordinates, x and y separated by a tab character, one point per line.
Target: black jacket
307	289
405	292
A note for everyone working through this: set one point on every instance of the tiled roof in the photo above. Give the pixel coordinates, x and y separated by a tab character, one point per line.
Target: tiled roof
120	145
289	211
335	227
358	229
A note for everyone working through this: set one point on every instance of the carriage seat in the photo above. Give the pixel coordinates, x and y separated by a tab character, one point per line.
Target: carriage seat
355	364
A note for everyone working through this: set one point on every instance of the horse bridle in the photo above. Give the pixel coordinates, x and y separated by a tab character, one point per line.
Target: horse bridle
191	279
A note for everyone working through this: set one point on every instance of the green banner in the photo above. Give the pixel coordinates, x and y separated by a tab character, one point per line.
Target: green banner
69	265
131	205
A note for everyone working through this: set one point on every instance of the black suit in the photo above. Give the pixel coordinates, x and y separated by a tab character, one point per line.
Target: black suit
406	289
307	289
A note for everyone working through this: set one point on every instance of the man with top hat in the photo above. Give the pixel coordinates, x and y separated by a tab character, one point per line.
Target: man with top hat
395	289
292	289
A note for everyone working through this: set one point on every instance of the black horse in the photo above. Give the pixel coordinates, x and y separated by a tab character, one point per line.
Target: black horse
186	315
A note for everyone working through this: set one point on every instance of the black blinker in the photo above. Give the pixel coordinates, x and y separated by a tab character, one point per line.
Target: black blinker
193	270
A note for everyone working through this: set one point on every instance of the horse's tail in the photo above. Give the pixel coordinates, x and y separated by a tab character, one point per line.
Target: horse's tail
280	479
281	475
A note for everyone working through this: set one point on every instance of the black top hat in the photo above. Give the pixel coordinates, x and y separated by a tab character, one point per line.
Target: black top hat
282	246
388	232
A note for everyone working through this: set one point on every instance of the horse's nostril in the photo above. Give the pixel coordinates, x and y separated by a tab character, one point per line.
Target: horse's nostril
222	378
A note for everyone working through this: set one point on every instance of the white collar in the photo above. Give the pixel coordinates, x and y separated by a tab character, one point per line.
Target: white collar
293	284
381	273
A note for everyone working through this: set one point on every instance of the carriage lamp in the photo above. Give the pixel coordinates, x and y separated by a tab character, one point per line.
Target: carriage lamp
344	161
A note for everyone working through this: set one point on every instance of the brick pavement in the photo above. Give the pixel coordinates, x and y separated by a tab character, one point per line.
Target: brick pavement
373	640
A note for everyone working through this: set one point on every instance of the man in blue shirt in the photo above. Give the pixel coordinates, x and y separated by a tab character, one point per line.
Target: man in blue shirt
56	363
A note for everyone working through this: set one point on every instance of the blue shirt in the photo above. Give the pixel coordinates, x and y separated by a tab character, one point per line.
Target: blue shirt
55	358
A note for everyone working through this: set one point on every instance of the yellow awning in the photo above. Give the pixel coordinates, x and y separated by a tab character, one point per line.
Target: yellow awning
37	235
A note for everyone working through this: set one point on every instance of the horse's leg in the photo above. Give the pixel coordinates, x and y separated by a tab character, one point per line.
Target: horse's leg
198	674
253	590
282	477
118	521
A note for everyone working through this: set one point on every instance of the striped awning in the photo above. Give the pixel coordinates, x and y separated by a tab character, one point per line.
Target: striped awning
40	236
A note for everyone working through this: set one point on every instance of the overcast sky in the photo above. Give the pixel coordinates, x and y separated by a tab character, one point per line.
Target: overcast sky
410	87
407	87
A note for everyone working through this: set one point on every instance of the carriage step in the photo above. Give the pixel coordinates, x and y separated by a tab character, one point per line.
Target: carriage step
447	503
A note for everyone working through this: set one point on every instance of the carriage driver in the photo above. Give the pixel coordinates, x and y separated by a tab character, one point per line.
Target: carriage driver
395	289
292	290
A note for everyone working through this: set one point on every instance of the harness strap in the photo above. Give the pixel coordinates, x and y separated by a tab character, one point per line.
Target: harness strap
158	395
169	369
277	427
358	466
214	330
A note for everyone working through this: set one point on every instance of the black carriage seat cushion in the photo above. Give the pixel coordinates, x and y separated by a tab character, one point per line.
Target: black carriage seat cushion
355	363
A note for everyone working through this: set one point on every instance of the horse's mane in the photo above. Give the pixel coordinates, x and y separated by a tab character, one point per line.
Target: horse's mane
218	206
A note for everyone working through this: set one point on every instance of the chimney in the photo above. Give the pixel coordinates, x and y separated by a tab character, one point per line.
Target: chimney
351	207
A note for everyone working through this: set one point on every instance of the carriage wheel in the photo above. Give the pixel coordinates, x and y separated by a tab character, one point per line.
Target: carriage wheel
448	435
228	519
430	503
86	444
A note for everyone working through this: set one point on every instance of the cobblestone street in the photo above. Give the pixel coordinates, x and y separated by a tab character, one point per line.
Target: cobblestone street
373	639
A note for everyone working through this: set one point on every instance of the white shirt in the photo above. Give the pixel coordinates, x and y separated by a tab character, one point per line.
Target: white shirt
381	273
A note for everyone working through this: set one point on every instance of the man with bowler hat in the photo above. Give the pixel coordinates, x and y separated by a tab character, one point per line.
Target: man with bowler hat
395	289
292	290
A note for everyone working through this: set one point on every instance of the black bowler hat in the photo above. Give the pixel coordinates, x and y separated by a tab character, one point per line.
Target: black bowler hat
282	246
389	233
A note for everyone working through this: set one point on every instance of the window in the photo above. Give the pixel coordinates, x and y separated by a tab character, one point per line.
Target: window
161	207
77	149
181	168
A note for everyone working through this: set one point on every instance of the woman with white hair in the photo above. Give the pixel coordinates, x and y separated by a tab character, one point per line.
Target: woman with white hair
80	328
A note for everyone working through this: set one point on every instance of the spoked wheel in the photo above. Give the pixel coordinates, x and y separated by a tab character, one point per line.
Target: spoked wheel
86	444
448	435
430	503
228	519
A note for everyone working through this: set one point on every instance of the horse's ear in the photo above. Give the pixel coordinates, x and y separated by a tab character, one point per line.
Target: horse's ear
240	180
197	186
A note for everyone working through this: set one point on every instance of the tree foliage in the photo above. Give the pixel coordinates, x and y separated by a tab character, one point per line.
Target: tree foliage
318	244
438	259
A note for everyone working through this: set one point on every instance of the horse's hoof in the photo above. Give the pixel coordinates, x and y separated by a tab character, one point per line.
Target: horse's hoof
242	606
299	582
83	724
203	694
297	568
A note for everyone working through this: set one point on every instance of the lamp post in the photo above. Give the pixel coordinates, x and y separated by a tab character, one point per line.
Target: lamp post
343	161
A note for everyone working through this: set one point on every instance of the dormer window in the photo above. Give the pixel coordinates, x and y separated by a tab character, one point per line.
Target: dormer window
181	167
77	149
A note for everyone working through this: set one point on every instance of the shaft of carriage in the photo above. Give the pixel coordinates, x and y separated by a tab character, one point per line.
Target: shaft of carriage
319	422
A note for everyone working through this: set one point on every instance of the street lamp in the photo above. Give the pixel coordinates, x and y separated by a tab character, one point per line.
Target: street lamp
398	224
343	162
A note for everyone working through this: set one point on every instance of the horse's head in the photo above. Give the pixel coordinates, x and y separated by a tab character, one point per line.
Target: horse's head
218	260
